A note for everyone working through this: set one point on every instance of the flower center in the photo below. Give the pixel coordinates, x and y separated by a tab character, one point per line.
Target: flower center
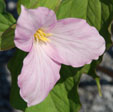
41	35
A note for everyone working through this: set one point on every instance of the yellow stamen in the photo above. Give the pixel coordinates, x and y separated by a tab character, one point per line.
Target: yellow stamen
41	35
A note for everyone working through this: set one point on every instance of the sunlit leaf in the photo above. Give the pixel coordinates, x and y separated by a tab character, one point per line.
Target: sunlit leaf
6	28
2	6
52	4
7	39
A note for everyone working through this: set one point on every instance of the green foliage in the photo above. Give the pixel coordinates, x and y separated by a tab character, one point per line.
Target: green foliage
6	28
64	96
2	6
15	65
52	4
7	39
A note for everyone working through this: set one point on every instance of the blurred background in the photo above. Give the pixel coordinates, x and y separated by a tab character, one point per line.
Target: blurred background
90	99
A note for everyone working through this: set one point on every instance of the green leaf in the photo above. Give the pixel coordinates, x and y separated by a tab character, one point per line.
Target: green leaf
14	66
52	4
6	28
7	39
2	6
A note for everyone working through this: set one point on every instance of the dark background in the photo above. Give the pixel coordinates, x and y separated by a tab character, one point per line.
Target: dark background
4	73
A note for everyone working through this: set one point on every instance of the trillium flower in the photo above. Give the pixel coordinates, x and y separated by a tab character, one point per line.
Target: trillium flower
50	43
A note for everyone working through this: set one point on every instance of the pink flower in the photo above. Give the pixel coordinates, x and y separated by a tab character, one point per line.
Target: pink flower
50	43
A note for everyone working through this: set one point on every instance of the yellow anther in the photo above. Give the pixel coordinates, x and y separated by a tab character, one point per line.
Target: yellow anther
41	35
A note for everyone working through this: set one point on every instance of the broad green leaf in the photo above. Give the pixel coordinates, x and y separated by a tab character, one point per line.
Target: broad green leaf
5	18
7	39
2	6
6	28
52	4
15	65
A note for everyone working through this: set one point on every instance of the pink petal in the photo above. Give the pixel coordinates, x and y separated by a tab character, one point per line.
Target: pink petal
74	42
29	22
39	75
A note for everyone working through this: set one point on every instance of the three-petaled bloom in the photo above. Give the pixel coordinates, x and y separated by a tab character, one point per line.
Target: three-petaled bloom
50	43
